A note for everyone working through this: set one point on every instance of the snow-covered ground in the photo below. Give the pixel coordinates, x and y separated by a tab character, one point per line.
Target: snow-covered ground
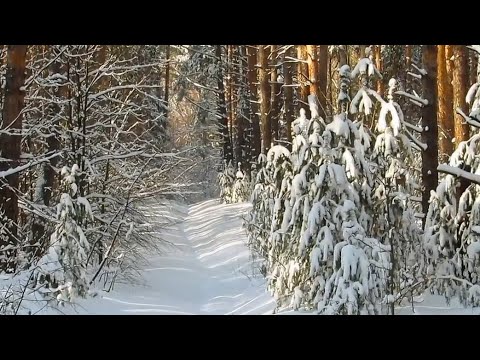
207	271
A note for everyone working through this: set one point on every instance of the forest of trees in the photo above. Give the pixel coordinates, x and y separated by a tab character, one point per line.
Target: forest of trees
360	162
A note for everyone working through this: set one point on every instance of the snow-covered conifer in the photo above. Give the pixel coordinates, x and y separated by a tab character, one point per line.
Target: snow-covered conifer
452	229
394	198
241	187
226	180
63	268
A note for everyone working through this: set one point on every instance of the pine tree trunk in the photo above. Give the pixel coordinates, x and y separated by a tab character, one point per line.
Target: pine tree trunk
288	96
361	54
322	79
40	238
167	80
239	120
230	93
256	141
302	80
379	65
102	85
445	108
10	148
275	95
342	55
473	68
222	108
429	124
460	88
408	56
263	53
313	69
449	67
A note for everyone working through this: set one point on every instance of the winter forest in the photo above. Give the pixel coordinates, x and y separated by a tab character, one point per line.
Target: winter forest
239	179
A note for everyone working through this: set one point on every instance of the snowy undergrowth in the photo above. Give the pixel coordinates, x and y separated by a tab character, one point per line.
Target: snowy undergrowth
25	293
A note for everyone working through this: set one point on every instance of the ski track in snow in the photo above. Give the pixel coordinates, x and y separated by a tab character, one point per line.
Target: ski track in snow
208	272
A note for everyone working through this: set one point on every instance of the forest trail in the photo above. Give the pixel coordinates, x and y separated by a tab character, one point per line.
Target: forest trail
207	271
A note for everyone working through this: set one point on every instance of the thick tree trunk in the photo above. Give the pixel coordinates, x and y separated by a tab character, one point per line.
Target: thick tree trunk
167	80
256	141
10	148
460	88
473	68
449	66
361	52
275	96
241	112
445	108
263	53
312	60
379	65
429	124
47	175
222	108
342	55
288	96
302	80
408	56
230	93
322	79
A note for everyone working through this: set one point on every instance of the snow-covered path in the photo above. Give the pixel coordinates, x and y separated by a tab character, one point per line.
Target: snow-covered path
209	270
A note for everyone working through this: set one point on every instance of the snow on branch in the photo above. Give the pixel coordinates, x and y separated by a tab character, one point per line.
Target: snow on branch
123	87
26	166
415	146
471	121
32	78
413	127
413	97
417	142
444	168
115	156
414	75
421	71
474	48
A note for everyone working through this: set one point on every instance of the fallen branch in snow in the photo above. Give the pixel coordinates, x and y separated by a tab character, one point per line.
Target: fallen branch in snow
447	169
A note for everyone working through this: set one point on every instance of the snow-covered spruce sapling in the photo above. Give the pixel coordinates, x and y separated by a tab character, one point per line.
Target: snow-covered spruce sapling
63	269
241	187
258	219
452	230
355	265
288	269
226	180
366	71
394	216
